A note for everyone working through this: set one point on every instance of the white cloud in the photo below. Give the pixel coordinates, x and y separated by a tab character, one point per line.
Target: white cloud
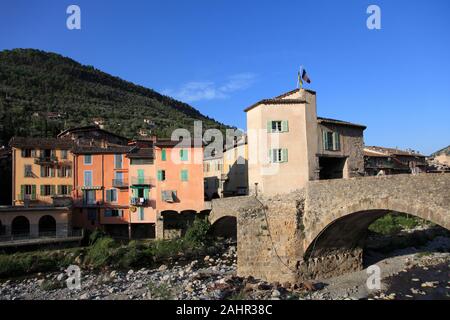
209	90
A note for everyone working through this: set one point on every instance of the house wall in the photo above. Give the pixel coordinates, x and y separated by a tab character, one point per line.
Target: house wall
351	147
190	193
443	158
19	178
236	168
212	173
150	210
300	140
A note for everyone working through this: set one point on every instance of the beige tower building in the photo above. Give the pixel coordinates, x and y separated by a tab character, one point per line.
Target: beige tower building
289	145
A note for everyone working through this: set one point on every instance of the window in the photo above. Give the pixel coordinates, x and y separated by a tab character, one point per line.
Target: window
169	196
28	153
161	175
163	155
184	175
64	190
47	190
47	172
28	173
111	195
141	176
331	141
65	172
89	196
141	213
278	155
277	126
113	213
183	155
118	161
88	178
118	177
27	191
88	159
64	154
92	214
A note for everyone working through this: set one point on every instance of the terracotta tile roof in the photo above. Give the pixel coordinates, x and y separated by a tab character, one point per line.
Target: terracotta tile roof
339	122
141	153
100	150
392	151
276	101
40	143
162	142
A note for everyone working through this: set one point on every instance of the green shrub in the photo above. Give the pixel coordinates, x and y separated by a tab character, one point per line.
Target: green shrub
391	224
100	253
95	236
163	249
197	233
132	255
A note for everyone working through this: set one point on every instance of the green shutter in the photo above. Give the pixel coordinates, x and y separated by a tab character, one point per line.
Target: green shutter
184	175
146	193
269	126
22	192
42	190
134	193
325	140
52	171
69	189
42	171
52	190
159	175
336	141
59	189
140	176
33	192
163	155
285	155
284	126
108	196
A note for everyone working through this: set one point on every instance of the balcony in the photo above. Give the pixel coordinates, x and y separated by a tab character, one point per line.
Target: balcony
46	160
120	183
139	202
142	181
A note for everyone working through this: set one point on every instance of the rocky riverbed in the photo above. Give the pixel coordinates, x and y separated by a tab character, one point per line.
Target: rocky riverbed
410	273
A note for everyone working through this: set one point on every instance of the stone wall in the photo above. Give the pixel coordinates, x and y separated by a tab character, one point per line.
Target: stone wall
315	233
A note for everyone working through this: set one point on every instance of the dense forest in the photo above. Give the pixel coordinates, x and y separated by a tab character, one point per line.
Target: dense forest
43	93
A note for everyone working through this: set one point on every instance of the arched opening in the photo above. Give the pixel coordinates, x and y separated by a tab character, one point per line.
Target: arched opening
47	226
225	227
375	232
20	227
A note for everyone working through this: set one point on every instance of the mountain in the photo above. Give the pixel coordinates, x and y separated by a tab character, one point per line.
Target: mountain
42	93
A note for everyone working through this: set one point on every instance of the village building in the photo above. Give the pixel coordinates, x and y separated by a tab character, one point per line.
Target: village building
289	145
442	157
212	175
387	161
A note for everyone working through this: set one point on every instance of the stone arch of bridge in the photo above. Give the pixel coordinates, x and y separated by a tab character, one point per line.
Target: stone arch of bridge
346	228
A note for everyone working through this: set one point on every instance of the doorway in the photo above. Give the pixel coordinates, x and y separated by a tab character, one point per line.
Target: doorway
331	168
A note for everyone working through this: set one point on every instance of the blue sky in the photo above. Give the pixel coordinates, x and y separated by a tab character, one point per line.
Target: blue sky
223	55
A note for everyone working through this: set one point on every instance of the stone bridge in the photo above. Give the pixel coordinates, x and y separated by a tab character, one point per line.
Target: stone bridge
320	231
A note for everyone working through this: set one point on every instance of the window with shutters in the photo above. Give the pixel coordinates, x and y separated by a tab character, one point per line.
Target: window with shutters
161	175
111	195
47	172
64	190
65	172
331	141
277	126
28	172
64	154
47	190
118	161
183	155
278	155
163	155
28	153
